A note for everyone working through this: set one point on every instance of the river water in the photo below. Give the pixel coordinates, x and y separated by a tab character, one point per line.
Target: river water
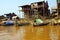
30	33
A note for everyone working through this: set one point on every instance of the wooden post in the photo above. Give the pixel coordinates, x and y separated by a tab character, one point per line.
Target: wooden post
43	8
57	9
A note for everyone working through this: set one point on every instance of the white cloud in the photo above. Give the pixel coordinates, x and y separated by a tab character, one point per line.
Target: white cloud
43	0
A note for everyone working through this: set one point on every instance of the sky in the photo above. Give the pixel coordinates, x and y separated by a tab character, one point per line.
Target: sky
10	6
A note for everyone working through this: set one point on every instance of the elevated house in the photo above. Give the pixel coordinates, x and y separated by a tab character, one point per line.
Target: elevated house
27	11
2	17
36	10
40	9
54	12
10	15
58	7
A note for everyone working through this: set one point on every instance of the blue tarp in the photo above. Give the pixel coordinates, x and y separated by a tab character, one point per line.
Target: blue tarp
9	22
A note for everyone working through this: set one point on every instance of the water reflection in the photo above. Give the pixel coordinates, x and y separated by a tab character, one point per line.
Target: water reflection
34	33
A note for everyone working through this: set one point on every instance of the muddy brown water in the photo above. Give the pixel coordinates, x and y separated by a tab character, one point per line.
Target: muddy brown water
33	33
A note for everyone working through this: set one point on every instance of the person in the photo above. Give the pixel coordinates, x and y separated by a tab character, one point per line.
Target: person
38	21
9	22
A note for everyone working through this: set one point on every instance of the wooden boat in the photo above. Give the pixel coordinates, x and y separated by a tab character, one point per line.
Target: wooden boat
42	24
39	22
8	24
5	23
23	24
56	23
